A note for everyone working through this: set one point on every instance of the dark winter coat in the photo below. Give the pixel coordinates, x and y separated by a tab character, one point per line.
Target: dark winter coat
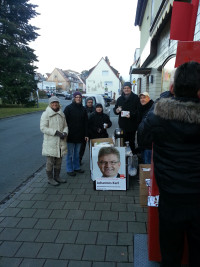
143	110
174	125
142	113
96	128
129	104
89	110
77	121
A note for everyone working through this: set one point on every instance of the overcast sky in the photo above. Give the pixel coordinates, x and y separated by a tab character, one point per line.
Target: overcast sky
76	34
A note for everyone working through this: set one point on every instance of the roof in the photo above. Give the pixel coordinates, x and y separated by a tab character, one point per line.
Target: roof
116	72
143	71
141	6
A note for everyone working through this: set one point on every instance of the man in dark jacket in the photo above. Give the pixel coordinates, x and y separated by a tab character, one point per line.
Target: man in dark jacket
90	109
77	120
174	125
129	102
145	146
98	123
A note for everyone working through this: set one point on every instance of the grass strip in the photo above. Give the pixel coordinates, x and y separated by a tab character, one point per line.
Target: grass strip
13	110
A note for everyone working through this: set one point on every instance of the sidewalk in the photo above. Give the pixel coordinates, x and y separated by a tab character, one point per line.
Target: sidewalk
70	225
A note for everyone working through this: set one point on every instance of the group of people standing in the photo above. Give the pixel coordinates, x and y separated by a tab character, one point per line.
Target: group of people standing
68	132
171	126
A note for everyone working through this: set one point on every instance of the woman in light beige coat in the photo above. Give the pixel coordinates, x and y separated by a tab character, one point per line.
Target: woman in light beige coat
54	127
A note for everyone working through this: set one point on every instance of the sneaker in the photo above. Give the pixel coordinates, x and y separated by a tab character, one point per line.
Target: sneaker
79	171
71	173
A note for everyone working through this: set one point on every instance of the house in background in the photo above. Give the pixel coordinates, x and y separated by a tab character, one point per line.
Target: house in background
103	78
47	86
66	80
42	84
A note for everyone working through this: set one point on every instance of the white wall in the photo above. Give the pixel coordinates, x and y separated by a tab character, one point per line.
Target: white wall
95	83
46	85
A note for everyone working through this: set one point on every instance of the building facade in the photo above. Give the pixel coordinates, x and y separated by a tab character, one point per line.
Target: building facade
157	50
66	80
103	78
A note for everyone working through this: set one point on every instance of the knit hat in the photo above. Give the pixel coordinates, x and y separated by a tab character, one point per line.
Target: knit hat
89	98
53	99
77	93
98	105
128	84
145	94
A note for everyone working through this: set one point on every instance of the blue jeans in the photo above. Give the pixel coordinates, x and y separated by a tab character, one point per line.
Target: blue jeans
146	156
73	156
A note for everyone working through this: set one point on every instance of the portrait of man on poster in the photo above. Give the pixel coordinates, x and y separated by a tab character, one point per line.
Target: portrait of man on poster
109	162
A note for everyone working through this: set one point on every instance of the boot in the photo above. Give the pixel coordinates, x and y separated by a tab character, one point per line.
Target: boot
57	178
50	178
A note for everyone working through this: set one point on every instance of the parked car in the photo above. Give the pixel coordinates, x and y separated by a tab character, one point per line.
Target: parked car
50	93
68	96
62	93
107	98
97	99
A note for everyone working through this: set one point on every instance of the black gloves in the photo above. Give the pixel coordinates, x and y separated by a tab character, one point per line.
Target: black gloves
61	135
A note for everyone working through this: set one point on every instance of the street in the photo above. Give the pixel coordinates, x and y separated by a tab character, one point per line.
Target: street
21	148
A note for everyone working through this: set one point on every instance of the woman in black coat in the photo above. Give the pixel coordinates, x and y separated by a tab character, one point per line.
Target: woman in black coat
98	123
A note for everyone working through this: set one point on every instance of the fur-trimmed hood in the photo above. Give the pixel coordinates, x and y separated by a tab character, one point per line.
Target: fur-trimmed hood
173	109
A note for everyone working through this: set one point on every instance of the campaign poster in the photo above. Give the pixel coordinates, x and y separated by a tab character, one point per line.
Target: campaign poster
109	168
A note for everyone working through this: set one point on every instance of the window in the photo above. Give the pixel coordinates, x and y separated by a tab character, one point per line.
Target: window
166	74
104	72
108	84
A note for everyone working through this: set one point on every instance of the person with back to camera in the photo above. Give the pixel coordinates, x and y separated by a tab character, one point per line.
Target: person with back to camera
109	162
145	147
90	109
174	125
129	102
55	130
98	123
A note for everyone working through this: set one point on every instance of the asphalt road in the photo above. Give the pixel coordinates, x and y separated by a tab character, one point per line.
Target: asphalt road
21	147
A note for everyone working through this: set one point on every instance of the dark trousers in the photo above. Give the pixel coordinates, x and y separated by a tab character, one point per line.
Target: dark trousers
130	136
177	220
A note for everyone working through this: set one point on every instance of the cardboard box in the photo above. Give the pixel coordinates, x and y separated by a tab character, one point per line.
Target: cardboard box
144	173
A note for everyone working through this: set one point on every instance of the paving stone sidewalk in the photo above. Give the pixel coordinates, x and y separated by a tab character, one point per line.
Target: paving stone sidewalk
70	225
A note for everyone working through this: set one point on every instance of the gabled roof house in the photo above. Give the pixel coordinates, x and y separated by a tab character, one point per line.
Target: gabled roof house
103	78
66	80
